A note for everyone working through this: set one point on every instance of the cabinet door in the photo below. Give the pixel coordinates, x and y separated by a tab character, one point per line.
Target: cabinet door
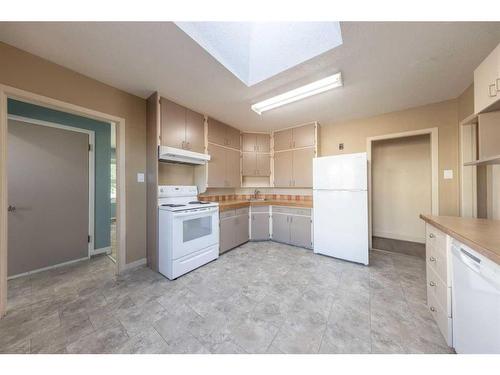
173	124
216	166
263	164
263	142
485	81
241	229
302	167
233	137
248	142
300	231
260	226
283	169
303	136
226	234
281	228
489	134
283	140
195	131
233	177
216	132
249	164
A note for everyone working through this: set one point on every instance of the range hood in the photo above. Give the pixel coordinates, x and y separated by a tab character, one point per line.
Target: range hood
177	155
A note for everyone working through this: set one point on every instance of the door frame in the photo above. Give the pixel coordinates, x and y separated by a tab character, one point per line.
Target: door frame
434	133
91	135
8	92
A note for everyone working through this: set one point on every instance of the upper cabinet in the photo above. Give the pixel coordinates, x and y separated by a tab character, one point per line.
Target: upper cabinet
181	127
256	142
222	134
302	136
489	137
487	82
223	167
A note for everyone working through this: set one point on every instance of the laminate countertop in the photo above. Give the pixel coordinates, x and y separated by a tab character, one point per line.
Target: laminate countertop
233	204
482	235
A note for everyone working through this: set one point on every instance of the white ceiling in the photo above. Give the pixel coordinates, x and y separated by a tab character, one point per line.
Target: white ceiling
386	66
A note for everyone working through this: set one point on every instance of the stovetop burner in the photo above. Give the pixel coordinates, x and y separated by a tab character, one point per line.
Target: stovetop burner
199	202
173	205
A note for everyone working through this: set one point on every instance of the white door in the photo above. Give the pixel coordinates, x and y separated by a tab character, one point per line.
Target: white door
341	172
341	224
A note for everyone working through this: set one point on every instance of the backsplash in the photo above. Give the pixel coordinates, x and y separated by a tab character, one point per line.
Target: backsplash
238	197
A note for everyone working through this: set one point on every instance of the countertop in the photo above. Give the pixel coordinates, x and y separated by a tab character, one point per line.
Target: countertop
482	235
232	204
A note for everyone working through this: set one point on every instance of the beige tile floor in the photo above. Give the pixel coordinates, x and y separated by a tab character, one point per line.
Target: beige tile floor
262	297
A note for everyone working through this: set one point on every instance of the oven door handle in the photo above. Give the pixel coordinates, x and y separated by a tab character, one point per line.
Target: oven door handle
196	213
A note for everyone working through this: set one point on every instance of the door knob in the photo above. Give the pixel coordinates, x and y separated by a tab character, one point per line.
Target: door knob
11	208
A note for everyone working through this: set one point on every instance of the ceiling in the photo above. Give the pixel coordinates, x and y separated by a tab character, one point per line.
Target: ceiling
386	66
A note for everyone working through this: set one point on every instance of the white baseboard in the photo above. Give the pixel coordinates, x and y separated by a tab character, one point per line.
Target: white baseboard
137	263
102	250
46	268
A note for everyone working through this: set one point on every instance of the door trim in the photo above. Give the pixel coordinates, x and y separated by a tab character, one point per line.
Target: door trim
8	92
433	133
91	134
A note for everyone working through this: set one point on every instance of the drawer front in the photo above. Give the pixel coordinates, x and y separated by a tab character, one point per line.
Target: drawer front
437	261
260	209
242	211
439	289
440	316
435	238
292	210
227	213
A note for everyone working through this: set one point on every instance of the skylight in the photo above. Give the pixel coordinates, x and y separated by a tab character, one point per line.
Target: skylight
256	51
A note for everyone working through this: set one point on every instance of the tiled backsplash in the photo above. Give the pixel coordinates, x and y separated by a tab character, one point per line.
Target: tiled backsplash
232	197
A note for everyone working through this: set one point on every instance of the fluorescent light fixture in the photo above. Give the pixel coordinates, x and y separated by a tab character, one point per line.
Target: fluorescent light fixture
299	93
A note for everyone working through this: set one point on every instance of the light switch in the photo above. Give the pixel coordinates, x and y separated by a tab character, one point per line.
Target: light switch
448	174
140	177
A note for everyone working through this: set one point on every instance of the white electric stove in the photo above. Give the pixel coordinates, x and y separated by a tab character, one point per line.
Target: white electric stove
188	230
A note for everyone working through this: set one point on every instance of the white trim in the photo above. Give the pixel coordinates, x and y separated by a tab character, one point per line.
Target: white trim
91	135
137	263
434	133
102	250
472	126
47	268
29	97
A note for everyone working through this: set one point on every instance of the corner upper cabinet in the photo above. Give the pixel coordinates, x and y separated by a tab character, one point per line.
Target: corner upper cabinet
223	167
223	135
181	127
487	83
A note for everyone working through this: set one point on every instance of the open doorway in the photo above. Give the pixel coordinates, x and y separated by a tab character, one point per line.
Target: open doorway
403	185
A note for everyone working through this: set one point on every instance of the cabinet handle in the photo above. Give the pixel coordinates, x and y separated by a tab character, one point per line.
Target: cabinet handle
498	84
432	259
433	309
491	95
431	235
432	283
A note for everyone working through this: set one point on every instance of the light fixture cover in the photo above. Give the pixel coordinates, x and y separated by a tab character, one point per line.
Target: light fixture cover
299	93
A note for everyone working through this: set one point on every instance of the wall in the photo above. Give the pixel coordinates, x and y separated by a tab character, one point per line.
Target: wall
441	115
102	223
175	174
401	187
28	72
465	103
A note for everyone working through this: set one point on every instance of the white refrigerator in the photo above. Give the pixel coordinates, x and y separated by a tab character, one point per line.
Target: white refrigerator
340	200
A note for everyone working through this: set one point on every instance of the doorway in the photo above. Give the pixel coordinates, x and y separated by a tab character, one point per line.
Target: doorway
403	184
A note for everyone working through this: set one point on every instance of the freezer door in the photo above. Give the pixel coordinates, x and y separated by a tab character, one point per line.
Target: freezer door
341	224
341	172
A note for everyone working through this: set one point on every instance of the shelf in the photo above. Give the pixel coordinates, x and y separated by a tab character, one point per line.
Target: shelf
487	161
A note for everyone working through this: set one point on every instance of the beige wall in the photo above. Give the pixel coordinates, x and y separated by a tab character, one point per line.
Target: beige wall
465	103
175	174
401	187
442	115
31	73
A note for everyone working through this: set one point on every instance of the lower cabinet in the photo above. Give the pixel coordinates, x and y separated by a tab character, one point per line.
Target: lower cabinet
292	226
259	223
233	229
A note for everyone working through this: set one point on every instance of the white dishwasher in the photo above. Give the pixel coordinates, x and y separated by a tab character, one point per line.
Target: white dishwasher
475	302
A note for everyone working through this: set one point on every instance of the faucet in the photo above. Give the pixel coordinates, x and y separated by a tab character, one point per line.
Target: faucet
256	193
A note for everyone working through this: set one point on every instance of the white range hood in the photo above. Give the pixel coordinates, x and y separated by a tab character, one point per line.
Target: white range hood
177	155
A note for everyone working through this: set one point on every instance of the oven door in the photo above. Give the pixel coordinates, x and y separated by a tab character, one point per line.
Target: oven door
194	230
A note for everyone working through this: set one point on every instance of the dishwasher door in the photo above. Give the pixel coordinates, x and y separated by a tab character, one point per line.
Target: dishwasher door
475	302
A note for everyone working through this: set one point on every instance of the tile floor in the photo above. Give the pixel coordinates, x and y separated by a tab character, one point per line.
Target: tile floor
262	297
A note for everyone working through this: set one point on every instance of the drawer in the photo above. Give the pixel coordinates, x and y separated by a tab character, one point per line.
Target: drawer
437	261
292	210
227	213
441	317
256	209
435	238
242	211
440	290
